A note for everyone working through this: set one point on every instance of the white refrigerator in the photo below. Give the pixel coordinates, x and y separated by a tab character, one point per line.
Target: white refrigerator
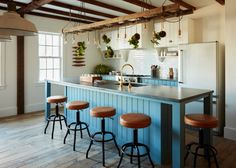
201	65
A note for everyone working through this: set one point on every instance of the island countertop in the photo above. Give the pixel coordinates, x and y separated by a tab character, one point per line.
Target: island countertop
166	93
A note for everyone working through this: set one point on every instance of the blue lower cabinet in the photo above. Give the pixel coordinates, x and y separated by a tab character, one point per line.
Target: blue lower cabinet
158	82
150	136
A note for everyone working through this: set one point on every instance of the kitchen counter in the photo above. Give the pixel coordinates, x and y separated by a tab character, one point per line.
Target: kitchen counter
164	104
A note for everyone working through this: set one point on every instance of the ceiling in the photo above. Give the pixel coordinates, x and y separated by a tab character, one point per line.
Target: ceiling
88	11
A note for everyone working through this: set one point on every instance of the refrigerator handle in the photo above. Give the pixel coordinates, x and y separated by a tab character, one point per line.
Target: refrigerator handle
180	66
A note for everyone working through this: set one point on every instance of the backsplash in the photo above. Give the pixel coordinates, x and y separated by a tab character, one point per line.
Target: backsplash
142	60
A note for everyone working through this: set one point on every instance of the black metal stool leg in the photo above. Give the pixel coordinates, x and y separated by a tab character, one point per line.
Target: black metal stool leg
53	126
103	151
208	156
122	155
60	122
138	153
214	156
91	143
114	139
195	157
87	129
74	137
67	132
46	126
132	151
149	156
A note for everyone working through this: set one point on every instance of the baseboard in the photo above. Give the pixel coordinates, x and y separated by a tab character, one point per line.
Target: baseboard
230	133
8	111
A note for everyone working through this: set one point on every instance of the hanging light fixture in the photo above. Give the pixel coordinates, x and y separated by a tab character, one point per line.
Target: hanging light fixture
12	23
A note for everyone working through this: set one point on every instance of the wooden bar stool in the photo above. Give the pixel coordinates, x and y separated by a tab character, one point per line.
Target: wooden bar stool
77	105
102	112
135	121
201	121
53	117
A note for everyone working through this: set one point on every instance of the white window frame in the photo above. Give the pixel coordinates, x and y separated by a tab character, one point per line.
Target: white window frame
60	54
2	65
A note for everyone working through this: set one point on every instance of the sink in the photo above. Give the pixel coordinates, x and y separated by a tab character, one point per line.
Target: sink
132	84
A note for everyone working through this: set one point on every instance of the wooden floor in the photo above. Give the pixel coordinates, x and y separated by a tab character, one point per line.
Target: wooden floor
23	145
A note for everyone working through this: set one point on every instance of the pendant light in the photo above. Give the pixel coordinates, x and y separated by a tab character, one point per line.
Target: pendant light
12	23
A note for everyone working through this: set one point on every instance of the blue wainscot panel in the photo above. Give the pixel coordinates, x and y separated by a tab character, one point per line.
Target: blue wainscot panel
123	104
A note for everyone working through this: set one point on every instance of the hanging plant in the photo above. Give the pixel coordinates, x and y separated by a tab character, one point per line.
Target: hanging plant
156	37
79	49
106	39
109	53
135	40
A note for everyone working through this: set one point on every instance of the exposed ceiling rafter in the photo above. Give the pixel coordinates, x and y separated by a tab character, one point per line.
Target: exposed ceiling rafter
33	5
222	2
141	4
184	4
107	6
81	9
171	10
83	19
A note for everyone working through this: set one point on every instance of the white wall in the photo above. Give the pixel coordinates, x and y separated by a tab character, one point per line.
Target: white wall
230	128
34	92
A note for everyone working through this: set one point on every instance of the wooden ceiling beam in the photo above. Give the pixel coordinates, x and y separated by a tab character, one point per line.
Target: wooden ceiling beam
222	2
34	5
77	8
184	4
58	17
50	10
149	14
107	6
141	4
84	19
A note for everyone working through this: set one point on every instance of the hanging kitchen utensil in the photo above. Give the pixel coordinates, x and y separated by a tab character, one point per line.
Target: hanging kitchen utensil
78	54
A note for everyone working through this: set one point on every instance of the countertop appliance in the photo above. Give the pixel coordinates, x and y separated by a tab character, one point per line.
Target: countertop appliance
201	65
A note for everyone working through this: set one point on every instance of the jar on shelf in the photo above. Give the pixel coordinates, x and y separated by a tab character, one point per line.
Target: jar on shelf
171	73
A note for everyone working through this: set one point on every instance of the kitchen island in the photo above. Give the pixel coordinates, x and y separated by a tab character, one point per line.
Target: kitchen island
164	104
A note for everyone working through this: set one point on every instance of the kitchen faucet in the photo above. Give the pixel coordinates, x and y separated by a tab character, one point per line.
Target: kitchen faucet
121	77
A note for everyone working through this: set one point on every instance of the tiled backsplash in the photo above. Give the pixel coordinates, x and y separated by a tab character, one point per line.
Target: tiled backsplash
142	60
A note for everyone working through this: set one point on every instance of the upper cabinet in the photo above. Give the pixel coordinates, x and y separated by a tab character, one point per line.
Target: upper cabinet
120	37
172	37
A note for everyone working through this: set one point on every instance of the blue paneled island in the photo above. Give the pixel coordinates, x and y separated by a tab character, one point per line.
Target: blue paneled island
164	104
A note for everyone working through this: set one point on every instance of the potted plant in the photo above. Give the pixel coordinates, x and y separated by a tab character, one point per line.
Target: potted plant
80	49
135	40
155	38
109	53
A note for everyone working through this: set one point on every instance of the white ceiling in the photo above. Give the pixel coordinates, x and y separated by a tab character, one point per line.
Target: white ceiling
117	3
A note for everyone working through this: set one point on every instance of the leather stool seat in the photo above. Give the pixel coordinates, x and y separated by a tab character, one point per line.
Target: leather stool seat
201	120
77	105
103	112
135	120
56	99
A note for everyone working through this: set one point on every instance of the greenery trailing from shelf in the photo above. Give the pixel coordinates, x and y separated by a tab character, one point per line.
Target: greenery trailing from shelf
80	49
102	69
109	53
135	40
158	36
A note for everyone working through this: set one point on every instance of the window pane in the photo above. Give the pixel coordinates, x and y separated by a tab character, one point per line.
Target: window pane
55	40
50	74
48	51
48	39
49	63
56	63
42	51
42	63
56	74
42	75
56	51
41	39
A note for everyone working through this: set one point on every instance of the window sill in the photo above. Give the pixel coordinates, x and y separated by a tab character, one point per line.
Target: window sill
39	84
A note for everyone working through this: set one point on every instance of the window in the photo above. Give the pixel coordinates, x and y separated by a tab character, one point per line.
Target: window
50	57
2	64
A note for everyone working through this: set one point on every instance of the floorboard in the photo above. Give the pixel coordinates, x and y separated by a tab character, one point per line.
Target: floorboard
23	145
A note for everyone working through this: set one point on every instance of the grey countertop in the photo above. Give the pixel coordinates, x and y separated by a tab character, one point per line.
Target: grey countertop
165	93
